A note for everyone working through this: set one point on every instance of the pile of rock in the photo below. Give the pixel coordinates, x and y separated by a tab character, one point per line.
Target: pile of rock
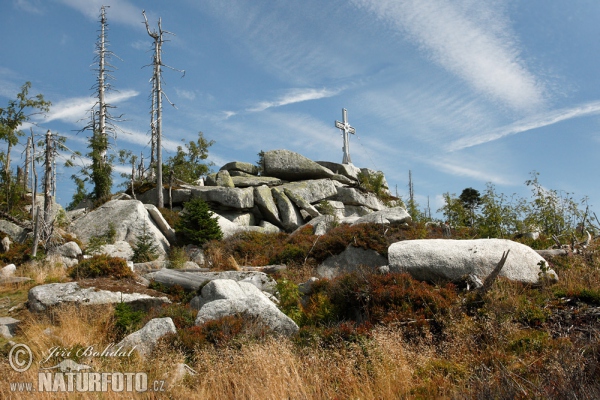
285	195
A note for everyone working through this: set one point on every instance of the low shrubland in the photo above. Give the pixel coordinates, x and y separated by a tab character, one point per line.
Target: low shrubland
362	335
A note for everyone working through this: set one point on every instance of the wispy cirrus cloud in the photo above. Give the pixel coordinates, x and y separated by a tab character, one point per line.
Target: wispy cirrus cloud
472	40
185	94
30	6
295	96
143	139
74	109
528	124
477	172
120	11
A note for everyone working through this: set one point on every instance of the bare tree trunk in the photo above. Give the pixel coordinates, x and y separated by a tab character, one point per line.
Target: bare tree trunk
153	131
102	87
170	190
48	179
36	231
27	180
160	200
133	178
157	94
35	177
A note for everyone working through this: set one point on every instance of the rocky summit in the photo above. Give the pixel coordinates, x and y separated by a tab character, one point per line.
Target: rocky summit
287	192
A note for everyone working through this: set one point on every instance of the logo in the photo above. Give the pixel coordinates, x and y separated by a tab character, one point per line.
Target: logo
70	376
20	357
69	366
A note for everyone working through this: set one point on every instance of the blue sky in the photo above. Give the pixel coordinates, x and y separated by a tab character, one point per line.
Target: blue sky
461	92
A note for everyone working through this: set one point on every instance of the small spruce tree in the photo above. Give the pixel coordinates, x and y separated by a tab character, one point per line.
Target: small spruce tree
197	224
144	249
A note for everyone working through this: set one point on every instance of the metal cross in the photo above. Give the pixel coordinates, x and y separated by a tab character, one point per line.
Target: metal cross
346	128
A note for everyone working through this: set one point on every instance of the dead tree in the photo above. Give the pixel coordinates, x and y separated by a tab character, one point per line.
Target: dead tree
102	122
49	162
34	182
156	96
28	163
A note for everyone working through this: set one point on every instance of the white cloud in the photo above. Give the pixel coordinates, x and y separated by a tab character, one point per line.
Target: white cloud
275	35
143	139
295	96
120	11
185	94
141	44
472	40
30	6
477	172
77	108
527	124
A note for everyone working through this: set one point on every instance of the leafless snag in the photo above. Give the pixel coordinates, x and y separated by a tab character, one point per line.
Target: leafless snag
156	110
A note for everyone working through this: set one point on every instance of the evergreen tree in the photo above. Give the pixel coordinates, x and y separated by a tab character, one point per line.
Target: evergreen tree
197	224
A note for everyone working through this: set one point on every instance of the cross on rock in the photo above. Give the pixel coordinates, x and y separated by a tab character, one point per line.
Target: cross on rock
346	129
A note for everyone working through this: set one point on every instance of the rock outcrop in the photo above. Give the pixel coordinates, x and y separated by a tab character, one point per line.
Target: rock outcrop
286	194
195	280
129	218
43	297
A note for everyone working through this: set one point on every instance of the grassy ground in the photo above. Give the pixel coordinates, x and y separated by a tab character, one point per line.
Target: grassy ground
362	336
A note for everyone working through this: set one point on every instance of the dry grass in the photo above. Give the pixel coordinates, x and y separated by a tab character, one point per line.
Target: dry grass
520	342
51	270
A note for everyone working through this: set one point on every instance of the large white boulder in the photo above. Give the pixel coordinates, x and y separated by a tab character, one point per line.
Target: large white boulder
291	166
195	280
311	191
161	222
248	181
229	197
240	166
146	338
347	170
288	212
179	196
128	217
390	215
350	260
227	297
120	249
69	250
354	197
263	198
445	259
15	232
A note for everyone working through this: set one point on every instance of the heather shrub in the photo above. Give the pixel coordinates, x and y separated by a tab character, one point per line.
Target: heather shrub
176	292
127	320
229	331
101	266
18	253
181	313
389	298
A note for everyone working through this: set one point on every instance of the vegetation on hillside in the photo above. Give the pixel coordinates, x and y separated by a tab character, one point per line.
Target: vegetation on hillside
362	335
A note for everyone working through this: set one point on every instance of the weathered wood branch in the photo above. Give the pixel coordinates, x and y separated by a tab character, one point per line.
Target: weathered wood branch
487	283
553	252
